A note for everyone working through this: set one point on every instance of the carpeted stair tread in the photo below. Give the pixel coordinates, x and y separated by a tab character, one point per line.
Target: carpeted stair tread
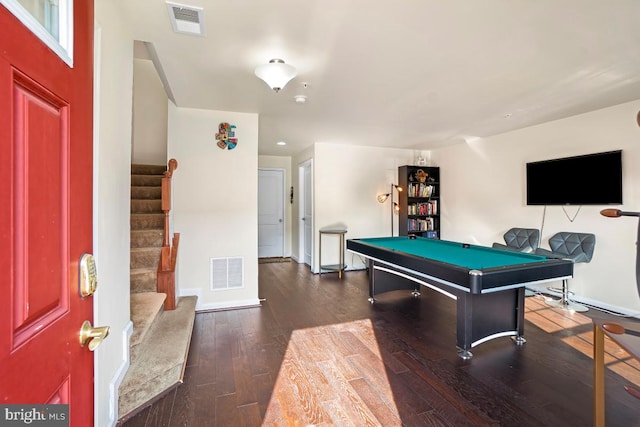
144	169
145	221
146	180
146	238
145	257
145	308
146	205
144	280
146	192
161	360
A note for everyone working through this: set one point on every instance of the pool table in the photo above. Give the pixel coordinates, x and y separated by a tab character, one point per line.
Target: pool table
488	284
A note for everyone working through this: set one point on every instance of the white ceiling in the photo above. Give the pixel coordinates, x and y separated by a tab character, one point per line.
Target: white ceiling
406	73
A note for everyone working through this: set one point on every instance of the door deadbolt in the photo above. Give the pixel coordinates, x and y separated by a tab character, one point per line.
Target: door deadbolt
88	275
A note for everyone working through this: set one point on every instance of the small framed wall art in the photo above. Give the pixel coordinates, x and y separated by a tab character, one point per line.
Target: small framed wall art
226	136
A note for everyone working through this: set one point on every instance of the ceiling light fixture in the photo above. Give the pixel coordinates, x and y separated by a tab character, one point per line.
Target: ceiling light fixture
281	143
300	99
276	73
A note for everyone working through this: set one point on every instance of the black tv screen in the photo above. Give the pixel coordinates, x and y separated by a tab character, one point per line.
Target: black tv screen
592	179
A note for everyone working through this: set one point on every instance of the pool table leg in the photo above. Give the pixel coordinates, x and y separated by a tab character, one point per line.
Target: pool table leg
519	339
464	354
482	317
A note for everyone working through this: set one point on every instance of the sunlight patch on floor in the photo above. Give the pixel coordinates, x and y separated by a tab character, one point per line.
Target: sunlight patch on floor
331	375
615	358
551	320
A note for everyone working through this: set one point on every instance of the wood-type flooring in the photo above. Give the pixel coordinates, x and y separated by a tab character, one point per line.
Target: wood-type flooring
317	353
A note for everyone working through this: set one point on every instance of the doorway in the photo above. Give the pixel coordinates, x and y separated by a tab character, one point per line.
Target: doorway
305	226
270	213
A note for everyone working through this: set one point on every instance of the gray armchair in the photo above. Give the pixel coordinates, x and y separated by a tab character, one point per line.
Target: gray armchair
520	240
578	247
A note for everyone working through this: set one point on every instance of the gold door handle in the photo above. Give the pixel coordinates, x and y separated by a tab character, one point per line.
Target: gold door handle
93	336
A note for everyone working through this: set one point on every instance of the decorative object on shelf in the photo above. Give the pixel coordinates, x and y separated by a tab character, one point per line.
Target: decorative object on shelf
276	73
394	206
421	175
226	136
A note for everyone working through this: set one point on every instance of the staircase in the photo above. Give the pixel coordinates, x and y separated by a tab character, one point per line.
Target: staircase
160	341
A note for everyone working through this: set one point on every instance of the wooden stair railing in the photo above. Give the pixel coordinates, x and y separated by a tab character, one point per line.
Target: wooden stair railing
169	253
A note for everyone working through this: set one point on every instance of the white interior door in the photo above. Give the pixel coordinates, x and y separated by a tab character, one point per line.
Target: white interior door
307	211
270	213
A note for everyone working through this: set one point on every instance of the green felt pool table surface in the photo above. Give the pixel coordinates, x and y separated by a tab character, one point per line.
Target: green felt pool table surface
474	257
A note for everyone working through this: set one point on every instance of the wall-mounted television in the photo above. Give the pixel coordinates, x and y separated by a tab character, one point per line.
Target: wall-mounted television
592	179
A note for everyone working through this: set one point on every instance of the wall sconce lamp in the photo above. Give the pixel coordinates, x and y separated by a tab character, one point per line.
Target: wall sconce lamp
395	207
276	73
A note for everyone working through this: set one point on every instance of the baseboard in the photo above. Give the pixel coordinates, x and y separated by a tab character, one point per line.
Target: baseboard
227	305
127	332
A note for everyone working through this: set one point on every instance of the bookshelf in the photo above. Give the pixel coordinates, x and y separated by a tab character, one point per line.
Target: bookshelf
420	202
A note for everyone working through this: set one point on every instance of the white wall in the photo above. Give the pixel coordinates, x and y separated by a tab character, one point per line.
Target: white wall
347	180
215	202
112	166
149	140
483	195
282	162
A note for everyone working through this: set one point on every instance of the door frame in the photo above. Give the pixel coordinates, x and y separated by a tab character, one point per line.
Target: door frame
282	201
304	197
74	193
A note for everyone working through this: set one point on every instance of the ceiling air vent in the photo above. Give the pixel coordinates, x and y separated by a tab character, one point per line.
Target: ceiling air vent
186	19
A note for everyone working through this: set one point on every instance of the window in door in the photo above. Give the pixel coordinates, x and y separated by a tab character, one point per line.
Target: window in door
50	20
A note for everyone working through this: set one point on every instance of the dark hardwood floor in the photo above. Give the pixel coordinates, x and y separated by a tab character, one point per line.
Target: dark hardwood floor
317	353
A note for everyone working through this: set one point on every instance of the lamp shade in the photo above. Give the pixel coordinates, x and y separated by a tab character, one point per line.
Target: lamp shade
276	73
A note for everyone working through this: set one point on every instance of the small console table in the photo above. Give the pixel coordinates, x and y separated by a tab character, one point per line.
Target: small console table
340	232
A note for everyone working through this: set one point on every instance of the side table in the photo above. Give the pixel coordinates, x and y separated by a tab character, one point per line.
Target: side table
340	232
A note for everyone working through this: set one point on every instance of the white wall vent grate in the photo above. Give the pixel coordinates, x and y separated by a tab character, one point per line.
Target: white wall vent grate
186	19
226	273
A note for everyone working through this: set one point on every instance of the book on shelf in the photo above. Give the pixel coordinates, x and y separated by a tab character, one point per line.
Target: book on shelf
426	224
420	190
424	208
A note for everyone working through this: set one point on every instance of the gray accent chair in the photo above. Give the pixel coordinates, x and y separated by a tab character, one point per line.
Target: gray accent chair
577	247
520	240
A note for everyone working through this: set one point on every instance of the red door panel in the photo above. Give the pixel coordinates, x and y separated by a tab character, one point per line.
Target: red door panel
45	216
40	175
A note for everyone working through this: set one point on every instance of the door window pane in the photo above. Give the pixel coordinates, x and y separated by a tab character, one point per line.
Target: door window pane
46	13
50	20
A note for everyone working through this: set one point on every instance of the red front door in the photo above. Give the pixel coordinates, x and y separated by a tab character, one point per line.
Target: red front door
45	216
